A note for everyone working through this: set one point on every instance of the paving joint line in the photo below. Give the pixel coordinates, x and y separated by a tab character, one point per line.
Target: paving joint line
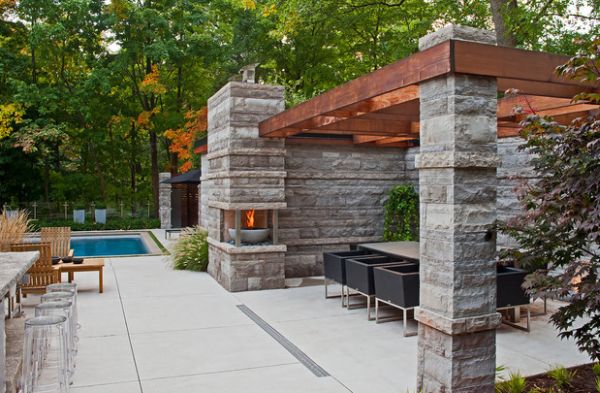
137	371
235	370
191	329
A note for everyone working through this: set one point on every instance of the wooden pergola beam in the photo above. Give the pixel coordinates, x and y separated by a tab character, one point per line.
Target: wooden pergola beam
509	63
507	105
409	71
385	103
575	109
370	127
351	120
386	100
549	89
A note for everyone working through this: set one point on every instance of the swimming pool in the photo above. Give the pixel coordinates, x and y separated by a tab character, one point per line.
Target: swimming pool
105	246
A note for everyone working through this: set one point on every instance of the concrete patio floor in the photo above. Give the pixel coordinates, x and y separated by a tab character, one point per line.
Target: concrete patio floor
156	330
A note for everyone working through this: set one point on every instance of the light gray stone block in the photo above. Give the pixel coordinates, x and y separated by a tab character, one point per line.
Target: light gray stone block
243	171
335	197
164	200
457	175
457	32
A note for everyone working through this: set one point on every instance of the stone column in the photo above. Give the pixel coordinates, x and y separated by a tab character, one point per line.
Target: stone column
164	200
457	188
204	192
2	348
244	171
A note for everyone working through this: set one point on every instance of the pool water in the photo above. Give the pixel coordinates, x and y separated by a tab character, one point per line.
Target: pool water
108	246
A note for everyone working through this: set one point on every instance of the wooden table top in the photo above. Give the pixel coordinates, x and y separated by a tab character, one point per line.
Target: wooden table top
88	263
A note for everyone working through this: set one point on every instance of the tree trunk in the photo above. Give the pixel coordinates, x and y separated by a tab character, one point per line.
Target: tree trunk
46	180
500	9
33	67
154	166
174	164
132	168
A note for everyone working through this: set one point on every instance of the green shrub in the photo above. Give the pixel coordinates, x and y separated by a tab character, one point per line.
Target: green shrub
401	214
111	224
191	250
596	369
562	376
515	384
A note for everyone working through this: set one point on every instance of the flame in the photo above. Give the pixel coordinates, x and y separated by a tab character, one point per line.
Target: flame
250	219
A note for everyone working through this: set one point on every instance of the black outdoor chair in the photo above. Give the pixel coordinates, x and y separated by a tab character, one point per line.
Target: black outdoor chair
510	293
334	268
359	276
397	286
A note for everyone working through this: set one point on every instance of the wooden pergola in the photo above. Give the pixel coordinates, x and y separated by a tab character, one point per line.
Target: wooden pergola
382	108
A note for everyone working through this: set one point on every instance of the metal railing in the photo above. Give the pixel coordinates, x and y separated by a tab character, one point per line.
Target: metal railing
65	210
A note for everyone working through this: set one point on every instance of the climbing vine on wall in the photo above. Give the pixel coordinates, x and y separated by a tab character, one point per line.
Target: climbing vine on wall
401	214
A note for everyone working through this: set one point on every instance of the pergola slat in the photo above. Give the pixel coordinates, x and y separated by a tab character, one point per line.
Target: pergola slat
549	89
387	141
507	105
358	139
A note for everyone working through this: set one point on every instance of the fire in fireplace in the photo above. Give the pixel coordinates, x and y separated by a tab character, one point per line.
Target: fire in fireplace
253	227
249	219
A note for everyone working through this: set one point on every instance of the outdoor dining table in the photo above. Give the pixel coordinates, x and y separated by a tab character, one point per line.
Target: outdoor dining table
13	266
402	249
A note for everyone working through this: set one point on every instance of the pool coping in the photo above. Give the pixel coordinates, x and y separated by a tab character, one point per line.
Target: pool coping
149	242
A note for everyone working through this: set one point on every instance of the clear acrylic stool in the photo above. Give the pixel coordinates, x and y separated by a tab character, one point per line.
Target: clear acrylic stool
69	297
63	308
62	287
45	355
65	287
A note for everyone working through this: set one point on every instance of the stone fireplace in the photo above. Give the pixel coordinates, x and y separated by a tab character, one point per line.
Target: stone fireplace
243	184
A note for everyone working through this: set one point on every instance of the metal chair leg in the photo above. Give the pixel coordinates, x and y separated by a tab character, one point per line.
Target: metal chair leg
406	333
526	328
327	295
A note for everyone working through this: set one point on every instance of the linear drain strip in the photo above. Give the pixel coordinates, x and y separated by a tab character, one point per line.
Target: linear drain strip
287	344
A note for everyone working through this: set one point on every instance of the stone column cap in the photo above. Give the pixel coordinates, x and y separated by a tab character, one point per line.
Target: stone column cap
450	326
247	90
457	32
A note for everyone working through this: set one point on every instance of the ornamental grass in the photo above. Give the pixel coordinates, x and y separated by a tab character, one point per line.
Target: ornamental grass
13	227
191	250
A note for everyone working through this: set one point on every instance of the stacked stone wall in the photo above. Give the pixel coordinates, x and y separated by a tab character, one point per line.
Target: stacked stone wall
514	173
335	196
237	270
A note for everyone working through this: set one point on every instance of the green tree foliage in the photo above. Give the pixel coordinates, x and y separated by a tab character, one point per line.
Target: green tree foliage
401	214
88	87
561	224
